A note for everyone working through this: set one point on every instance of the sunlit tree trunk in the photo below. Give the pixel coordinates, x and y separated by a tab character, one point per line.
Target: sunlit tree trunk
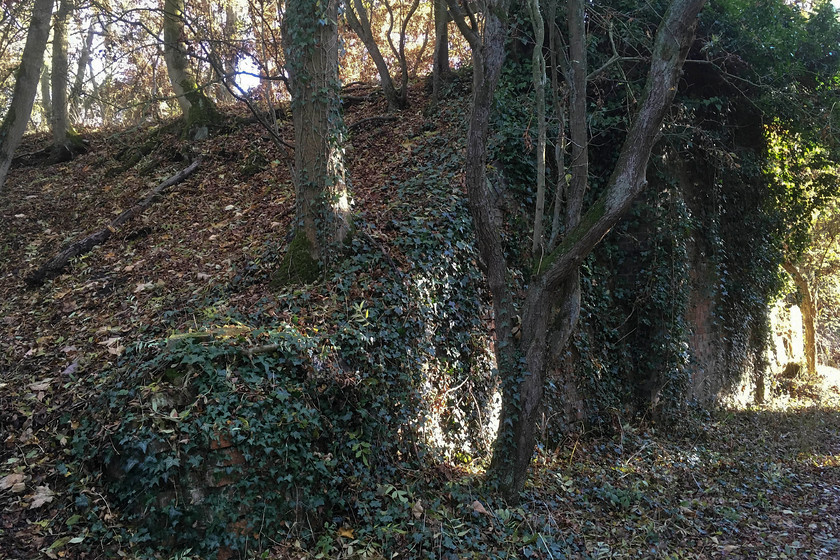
808	316
26	85
310	41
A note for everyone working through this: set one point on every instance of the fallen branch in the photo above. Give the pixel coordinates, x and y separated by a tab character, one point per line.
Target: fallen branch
54	266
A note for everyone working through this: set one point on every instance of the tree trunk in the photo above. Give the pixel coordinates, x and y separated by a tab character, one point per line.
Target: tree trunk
539	79
46	98
808	316
550	307
198	110
400	52
440	65
229	60
359	21
79	81
310	41
61	149
26	85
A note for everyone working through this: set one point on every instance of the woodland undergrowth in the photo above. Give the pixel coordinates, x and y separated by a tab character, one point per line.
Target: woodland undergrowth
158	400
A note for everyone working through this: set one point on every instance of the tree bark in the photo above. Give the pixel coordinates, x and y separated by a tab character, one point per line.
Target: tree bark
359	21
26	85
198	110
61	150
46	98
310	40
79	81
550	307
539	79
440	64
808	316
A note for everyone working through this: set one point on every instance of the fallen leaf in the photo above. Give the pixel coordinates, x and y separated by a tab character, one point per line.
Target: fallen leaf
43	495
143	286
42	385
10	480
417	510
478	508
71	369
345	532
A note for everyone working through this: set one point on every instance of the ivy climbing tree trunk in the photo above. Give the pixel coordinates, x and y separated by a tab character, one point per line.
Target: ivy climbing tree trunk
310	42
808	316
547	316
26	85
198	110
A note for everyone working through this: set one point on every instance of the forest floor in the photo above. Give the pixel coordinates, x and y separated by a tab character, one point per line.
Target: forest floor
756	483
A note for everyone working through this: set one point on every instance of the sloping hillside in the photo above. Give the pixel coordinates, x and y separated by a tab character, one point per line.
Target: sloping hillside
159	396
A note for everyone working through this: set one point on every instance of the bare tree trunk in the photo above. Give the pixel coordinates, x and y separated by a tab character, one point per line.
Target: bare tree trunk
559	104
359	21
539	79
61	150
199	112
322	200
79	81
400	51
26	85
440	65
809	318
229	61
550	308
46	98
576	10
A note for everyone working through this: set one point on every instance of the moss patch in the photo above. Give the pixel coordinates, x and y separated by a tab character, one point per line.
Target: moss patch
202	115
298	266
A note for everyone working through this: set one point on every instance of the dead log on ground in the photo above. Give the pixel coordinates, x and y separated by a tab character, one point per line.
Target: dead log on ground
54	266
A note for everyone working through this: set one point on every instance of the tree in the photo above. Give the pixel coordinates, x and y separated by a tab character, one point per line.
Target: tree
26	85
198	110
310	42
79	81
809	314
551	303
440	64
360	22
65	142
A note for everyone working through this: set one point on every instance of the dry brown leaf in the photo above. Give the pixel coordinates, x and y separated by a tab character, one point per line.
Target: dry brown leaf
417	510
42	385
478	508
10	480
43	495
